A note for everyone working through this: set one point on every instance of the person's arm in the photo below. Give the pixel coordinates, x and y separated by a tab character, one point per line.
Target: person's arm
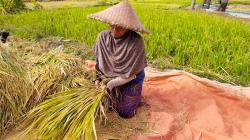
118	81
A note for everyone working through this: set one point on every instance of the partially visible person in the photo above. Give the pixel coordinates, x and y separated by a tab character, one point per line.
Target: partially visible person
4	35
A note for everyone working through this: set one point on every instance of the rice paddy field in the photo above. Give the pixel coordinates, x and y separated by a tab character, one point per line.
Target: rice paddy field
207	44
212	45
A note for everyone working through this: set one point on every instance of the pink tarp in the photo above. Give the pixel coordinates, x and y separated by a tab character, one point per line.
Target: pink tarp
186	107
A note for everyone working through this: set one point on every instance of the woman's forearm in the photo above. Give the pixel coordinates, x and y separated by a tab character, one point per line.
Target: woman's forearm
118	81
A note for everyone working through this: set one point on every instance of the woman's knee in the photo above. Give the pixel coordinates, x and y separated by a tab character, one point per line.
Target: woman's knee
126	114
127	110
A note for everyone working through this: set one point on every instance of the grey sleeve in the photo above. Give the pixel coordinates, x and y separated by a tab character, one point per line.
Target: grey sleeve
118	81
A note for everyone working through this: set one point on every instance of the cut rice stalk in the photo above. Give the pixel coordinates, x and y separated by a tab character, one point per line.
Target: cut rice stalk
66	115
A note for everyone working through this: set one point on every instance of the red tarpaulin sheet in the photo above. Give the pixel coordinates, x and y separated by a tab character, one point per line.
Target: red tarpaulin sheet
186	107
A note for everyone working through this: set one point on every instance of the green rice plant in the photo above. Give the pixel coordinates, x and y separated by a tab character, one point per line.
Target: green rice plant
69	114
37	6
11	6
164	1
15	89
239	2
203	42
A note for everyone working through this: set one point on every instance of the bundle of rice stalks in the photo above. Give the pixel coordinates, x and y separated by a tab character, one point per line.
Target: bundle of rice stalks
56	71
15	89
69	114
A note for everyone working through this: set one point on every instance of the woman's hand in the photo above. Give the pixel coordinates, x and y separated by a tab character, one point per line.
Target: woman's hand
98	85
90	65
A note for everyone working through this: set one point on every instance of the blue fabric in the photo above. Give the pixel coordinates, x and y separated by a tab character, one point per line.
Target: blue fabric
129	96
125	98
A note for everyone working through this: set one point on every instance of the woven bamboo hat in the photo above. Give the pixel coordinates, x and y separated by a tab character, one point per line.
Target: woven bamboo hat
122	15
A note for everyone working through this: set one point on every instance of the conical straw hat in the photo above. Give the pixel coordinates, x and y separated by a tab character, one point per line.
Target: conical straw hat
122	15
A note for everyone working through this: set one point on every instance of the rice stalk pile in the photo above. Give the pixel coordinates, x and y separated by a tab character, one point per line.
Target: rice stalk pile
28	75
15	88
49	96
56	71
69	114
